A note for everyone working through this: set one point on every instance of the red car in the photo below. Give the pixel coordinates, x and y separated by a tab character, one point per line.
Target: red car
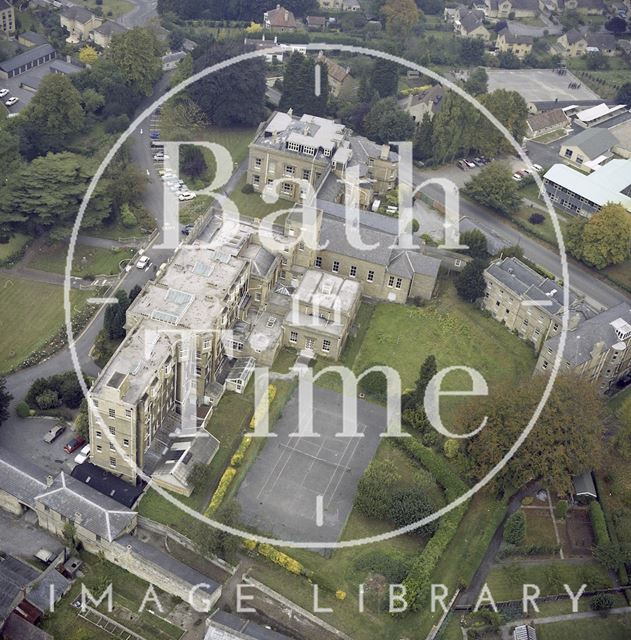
74	444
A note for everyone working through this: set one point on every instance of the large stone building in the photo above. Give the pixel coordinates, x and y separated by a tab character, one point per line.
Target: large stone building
79	22
598	349
527	302
7	18
517	44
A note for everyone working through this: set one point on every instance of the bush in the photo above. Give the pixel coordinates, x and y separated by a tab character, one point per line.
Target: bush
222	488
237	458
128	219
599	525
536	218
451	448
116	124
515	528
602	602
392	566
48	400
560	511
373	384
409	505
23	410
247	188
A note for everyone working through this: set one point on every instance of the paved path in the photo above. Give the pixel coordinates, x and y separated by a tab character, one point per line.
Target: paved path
104	243
506	629
40	276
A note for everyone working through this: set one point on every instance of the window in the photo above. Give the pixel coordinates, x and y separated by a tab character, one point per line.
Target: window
113	463
391	281
290	170
96	402
257	297
112	413
128	413
398	283
98	434
112	431
126	442
282	274
237	346
256	180
336	266
112	447
457	263
293	336
301	246
326	345
579	159
545	364
306	174
318	262
371	276
353	271
309	343
258	162
99	448
288	188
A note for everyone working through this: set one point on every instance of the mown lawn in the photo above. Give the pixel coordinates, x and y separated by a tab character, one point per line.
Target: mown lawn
31	313
253	205
539	527
87	261
111	8
15	244
616	627
128	594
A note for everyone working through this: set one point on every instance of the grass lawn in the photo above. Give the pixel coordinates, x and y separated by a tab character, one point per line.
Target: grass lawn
615	627
457	333
128	591
620	274
539	527
545	230
15	244
551	136
506	581
93	261
111	8
604	83
31	313
253	205
190	211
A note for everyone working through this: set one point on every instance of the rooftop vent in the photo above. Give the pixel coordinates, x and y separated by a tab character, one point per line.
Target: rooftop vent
622	329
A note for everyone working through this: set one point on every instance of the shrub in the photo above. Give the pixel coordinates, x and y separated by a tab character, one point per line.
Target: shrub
222	488
374	384
375	488
48	400
451	448
409	505
237	458
392	566
536	218
247	188
116	124
602	602
515	528
560	511
23	410
281	559
260	409
128	219
599	525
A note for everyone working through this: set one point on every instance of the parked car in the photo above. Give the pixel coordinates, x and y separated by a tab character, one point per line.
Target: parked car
11	101
187	196
83	455
3	92
517	177
74	444
154	135
470	164
143	262
462	165
160	157
538	168
54	433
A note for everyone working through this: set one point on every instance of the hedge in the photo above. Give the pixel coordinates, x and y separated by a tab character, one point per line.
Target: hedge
237	458
599	525
529	550
222	488
419	578
277	557
271	394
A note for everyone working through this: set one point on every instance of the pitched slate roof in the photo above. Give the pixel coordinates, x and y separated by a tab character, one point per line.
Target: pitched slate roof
472	20
525	5
515	38
17	628
601	41
80	14
20	478
15	576
548	119
109	28
98	513
593	142
281	17
31	55
34	38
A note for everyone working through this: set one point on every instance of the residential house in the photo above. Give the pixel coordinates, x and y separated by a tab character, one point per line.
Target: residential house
170	61
588	149
79	22
32	39
24	61
503	9
586	7
526	302
315	23
102	35
340	5
582	194
7	18
471	25
598	349
577	43
418	104
518	45
280	19
340	80
538	124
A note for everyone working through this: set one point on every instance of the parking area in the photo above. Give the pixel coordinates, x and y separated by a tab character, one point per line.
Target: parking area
538	85
303	488
26	438
21	537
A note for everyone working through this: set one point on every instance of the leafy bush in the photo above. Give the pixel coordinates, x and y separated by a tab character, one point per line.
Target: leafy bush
23	410
599	525
408	505
247	188
515	528
536	218
222	488
49	399
375	488
237	458
560	511
62	388
373	384
128	219
602	602
392	566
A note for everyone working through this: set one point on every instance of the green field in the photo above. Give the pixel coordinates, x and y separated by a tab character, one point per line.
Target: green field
616	627
111	8
253	205
15	244
539	527
31	313
87	261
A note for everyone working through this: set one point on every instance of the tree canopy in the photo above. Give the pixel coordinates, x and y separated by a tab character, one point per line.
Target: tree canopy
386	122
401	17
299	91
495	187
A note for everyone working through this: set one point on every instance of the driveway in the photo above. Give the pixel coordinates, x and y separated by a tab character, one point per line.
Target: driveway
21	537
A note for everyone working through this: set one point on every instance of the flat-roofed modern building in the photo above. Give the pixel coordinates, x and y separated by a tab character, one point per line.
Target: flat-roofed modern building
598	349
581	194
527	302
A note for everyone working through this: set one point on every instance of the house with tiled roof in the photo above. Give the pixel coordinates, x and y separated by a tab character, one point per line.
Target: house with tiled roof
429	101
471	25
586	7
79	22
280	19
575	43
539	124
518	45
503	9
340	79
102	35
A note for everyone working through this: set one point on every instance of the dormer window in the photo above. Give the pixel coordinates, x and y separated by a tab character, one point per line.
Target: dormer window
622	329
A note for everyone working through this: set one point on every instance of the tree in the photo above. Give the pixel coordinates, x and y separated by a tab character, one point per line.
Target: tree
454	127
401	17
616	25
137	55
234	96
299	91
409	505
69	533
176	39
470	283
375	489
604	239
570	19
114	319
134	292
384	78
5	400
596	61
423	146
495	188
477	243
386	122
624	94
565	441
92	100
192	161
515	528
602	602
428	370
53	116
127	217
471	50
508	60
88	55
477	82
511	110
